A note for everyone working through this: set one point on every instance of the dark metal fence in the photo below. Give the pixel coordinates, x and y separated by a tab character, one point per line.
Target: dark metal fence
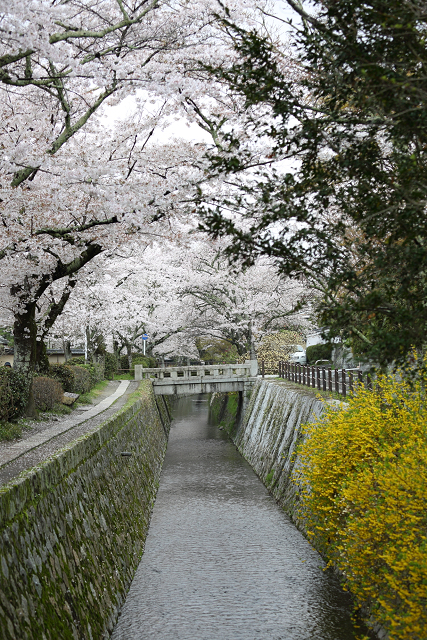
340	381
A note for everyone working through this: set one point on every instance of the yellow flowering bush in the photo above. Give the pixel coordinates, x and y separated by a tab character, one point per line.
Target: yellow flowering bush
363	474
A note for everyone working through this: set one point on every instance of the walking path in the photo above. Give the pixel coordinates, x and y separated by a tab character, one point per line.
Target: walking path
17	456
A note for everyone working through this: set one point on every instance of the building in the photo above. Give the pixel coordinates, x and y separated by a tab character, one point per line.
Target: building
55	356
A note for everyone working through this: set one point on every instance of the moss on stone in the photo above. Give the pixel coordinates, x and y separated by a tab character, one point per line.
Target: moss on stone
73	528
224	411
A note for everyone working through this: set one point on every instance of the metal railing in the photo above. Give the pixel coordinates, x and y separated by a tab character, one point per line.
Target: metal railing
341	381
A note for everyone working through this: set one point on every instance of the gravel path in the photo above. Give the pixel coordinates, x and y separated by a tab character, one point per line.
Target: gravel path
48	436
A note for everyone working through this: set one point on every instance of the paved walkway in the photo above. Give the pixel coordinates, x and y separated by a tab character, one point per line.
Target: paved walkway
27	452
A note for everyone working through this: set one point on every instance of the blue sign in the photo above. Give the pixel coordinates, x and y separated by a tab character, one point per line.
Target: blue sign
144	336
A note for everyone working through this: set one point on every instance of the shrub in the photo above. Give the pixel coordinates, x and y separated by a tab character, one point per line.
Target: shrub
111	365
86	376
10	431
274	348
124	362
47	392
364	478
64	374
146	361
96	372
82	379
137	358
319	352
77	360
14	392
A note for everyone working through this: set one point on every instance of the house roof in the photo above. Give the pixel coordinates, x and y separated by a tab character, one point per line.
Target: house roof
59	352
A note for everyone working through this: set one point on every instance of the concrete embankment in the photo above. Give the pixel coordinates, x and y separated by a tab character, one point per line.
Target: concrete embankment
72	529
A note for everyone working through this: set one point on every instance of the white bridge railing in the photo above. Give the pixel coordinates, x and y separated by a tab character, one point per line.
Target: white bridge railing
206	372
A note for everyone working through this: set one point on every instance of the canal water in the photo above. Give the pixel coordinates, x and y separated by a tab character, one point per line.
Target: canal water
222	561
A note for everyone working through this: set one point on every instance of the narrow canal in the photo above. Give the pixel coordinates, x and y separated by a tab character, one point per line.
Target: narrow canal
222	561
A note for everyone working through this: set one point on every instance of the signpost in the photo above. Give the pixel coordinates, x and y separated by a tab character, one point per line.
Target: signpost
144	339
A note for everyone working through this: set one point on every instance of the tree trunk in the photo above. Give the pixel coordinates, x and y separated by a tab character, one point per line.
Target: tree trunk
42	360
67	350
129	353
25	350
25	338
25	328
251	344
89	345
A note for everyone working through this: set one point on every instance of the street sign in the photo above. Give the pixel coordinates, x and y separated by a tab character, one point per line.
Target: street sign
144	338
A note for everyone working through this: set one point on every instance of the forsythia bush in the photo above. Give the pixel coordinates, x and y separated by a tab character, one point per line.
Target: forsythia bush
364	477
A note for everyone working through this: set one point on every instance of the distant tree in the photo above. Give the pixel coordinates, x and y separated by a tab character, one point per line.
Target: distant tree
239	306
184	296
346	104
215	350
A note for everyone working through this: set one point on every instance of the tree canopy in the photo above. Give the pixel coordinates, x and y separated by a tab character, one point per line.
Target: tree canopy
77	176
340	196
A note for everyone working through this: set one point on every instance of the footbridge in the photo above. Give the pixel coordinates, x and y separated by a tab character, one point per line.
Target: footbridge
190	380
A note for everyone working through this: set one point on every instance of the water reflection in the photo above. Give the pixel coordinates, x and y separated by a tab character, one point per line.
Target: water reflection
222	561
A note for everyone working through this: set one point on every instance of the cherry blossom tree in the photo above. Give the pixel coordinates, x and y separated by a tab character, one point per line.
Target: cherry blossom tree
73	184
178	293
126	295
241	306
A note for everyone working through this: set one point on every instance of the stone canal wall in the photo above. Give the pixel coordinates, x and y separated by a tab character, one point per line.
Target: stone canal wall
265	427
72	529
267	432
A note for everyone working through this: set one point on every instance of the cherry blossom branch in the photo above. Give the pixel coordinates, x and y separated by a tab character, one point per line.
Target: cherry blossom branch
30	172
73	33
65	234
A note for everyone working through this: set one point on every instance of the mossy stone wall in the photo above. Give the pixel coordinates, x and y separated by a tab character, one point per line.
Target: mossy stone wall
266	431
72	529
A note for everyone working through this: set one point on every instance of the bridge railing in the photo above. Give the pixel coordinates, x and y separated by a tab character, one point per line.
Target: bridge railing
198	371
340	381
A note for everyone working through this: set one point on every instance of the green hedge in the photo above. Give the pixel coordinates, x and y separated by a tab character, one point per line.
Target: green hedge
319	352
146	361
96	372
123	362
77	378
86	376
137	358
47	392
82	380
111	365
64	374
13	394
76	360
